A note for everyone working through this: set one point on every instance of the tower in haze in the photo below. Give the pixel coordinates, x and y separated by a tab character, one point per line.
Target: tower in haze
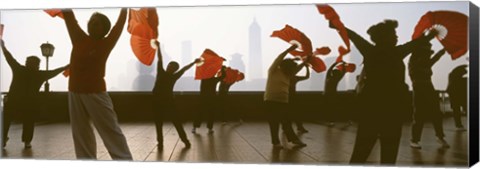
254	52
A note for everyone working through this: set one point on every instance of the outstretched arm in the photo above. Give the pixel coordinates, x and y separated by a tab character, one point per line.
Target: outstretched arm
76	33
307	75
279	58
160	68
185	68
362	45
436	57
329	71
408	47
52	73
118	28
8	56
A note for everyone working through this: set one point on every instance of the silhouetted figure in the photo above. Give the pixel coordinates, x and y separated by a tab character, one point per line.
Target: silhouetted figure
87	97
426	102
276	98
23	96
332	78
208	101
457	90
293	101
225	102
163	98
384	98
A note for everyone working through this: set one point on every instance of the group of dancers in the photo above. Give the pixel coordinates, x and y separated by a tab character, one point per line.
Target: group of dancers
383	95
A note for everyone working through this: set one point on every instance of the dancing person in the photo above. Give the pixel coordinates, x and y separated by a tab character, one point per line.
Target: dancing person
457	90
23	95
333	77
87	97
384	99
276	98
425	99
223	90
208	101
293	100
163	98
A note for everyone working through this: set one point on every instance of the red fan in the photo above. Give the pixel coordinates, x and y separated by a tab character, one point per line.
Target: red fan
322	51
317	64
342	51
240	76
334	19
348	67
66	72
232	76
210	65
143	16
1	31
143	44
452	30
294	36
54	12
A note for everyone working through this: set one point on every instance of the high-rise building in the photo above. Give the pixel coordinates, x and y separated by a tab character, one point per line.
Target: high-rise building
255	70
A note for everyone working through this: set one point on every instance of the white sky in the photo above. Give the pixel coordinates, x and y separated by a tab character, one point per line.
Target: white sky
222	29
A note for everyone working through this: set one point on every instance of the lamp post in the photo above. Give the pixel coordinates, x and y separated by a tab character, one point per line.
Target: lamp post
47	52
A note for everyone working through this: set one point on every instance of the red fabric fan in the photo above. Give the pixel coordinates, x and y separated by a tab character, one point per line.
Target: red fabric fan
54	12
334	19
342	51
143	44
322	51
66	72
349	67
317	64
210	65
240	76
231	75
294	36
143	16
452	30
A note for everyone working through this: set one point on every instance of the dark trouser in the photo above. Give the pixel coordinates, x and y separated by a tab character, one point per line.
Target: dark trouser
278	113
458	103
426	107
163	107
294	108
389	134
331	101
208	108
383	113
27	118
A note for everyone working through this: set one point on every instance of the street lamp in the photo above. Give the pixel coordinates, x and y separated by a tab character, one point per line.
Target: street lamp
47	51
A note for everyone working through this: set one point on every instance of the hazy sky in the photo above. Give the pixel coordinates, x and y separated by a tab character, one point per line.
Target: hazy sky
222	29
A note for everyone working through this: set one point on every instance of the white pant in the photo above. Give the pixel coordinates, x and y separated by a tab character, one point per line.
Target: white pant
98	108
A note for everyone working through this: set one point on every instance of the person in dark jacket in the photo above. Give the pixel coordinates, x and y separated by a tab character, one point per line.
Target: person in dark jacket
23	95
457	90
426	102
385	96
163	98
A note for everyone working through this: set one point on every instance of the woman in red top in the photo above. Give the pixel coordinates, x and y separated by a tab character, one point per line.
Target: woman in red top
87	97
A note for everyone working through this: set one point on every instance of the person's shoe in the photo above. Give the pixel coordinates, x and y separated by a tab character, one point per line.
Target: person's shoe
443	143
277	146
28	145
415	145
194	130
298	144
187	144
302	130
210	131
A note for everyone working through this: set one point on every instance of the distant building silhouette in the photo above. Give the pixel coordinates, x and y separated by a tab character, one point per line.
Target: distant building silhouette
237	63
255	65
